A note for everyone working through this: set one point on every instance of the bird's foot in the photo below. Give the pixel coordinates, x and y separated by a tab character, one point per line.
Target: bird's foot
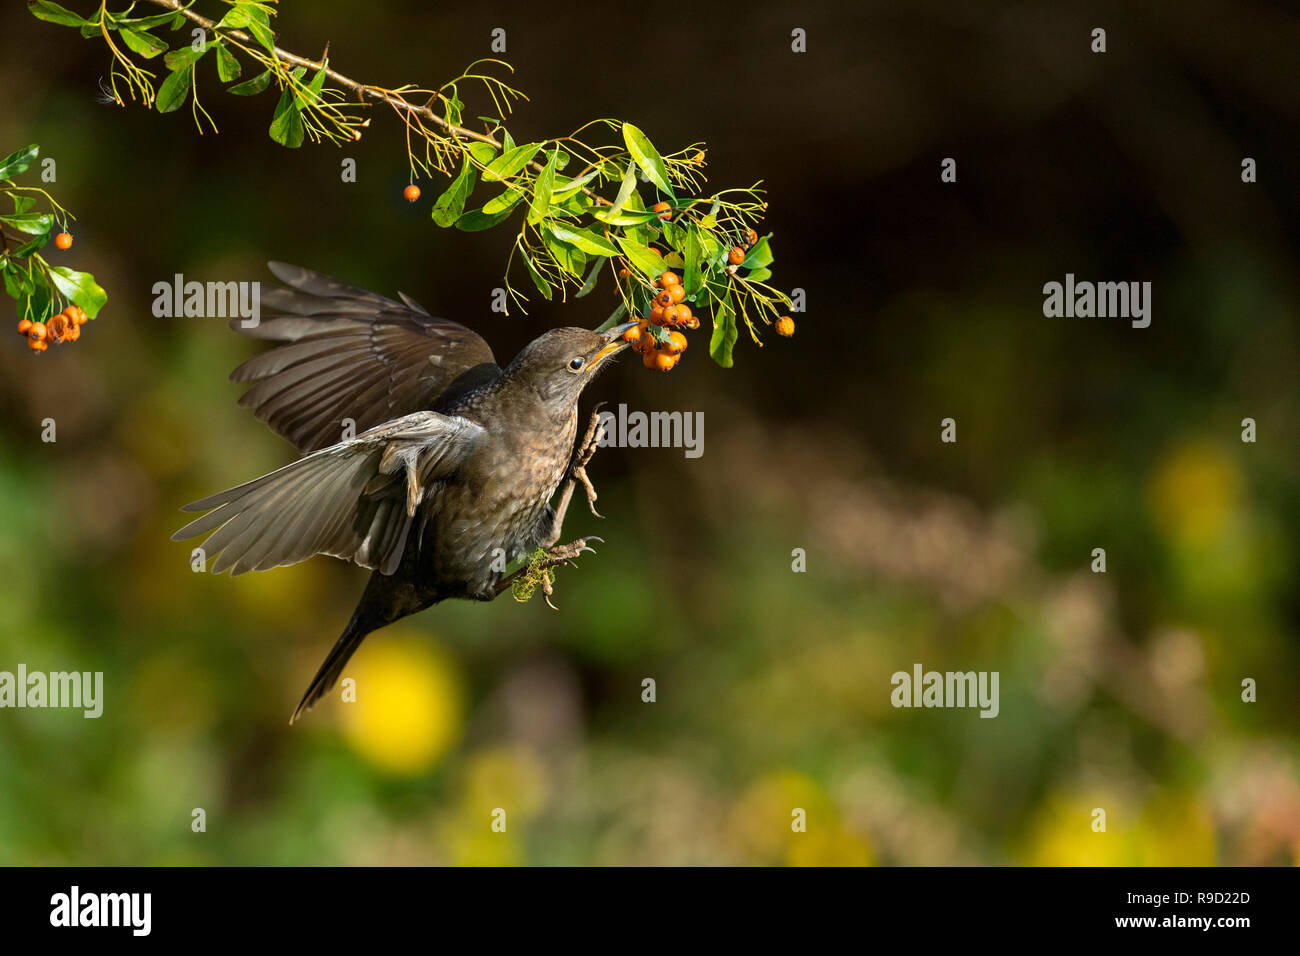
537	573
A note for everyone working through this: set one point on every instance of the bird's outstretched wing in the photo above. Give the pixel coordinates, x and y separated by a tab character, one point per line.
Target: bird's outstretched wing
350	353
355	500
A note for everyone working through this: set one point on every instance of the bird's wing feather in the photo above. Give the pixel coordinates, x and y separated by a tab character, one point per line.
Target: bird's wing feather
350	353
355	500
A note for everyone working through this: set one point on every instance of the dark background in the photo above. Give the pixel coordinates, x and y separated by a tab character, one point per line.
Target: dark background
1119	691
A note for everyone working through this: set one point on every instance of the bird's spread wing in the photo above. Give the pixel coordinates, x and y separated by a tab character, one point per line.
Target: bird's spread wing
355	500
350	353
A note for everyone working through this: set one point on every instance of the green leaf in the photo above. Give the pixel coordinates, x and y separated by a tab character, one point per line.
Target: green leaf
32	223
510	162
235	18
569	258
286	124
23	203
451	203
228	67
760	275
586	240
314	88
645	261
593	276
80	287
251	87
624	193
146	44
53	13
692	278
185	56
647	157
543	286
760	255
260	27
564	188
503	202
542	189
27	248
16	163
724	332
145	23
480	219
614	318
482	152
175	90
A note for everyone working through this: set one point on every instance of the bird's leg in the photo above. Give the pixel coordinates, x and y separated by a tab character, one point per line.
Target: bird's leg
578	469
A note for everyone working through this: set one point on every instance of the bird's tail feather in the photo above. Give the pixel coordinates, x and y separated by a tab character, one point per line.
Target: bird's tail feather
337	659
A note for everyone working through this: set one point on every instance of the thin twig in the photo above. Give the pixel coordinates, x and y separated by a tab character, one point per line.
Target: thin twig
363	90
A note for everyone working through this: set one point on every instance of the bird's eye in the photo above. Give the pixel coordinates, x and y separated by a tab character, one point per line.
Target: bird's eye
577	364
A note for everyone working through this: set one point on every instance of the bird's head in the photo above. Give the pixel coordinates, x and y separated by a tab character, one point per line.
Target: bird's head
560	363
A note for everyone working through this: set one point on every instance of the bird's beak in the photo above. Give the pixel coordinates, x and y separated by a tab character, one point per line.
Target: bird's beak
614	336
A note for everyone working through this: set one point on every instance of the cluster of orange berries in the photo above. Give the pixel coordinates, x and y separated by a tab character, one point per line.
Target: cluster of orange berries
666	311
64	327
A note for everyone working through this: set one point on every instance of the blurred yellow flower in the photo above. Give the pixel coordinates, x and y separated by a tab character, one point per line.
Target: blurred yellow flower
761	825
409	703
828	846
1176	830
1062	832
1194	493
1172	830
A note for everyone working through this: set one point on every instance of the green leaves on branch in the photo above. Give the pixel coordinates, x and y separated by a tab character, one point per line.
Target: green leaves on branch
647	157
39	289
568	232
556	190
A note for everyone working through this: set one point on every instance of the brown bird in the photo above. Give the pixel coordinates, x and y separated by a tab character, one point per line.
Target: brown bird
453	464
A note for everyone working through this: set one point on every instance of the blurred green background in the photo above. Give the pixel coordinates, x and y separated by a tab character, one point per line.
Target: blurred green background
1120	691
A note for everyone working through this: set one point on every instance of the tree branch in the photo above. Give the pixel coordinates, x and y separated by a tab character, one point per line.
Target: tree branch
362	90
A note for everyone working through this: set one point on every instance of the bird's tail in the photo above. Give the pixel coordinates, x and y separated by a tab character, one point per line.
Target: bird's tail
338	657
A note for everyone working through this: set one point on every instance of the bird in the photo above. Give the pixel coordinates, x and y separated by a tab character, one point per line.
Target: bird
422	459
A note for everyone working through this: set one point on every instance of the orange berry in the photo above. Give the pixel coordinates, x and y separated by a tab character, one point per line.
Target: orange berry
677	314
663	361
785	326
73	333
676	343
649	358
736	256
37	332
665	298
667	279
57	327
645	343
411	192
656	252
692	323
677	292
37	345
632	334
657	316
751	236
664	210
76	314
63	240
23	326
624	273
